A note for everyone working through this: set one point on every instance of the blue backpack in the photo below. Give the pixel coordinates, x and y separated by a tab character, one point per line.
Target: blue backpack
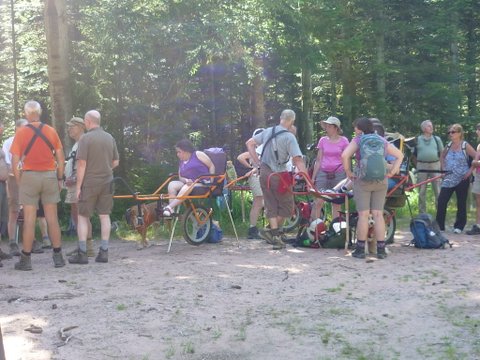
372	165
426	233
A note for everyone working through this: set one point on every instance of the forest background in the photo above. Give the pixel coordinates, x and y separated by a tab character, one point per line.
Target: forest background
213	71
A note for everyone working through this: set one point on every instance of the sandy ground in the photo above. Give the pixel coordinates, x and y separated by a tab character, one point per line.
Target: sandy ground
223	301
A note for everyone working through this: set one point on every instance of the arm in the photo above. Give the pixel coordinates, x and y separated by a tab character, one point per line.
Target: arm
16	171
394	151
244	158
60	157
299	164
251	145
115	163
81	166
318	162
346	158
207	161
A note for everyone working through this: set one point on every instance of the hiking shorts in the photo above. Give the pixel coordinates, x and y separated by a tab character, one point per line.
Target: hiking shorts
276	203
99	198
254	183
369	195
39	185
12	194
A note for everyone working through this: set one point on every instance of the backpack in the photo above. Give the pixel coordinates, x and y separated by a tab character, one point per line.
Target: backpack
372	166
426	233
335	236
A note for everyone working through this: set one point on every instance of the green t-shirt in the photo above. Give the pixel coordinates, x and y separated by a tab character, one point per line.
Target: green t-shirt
428	150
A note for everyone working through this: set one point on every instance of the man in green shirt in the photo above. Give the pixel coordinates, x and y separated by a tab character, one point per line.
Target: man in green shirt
427	152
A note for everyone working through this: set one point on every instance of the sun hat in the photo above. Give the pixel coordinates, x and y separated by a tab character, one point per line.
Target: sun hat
76	121
332	120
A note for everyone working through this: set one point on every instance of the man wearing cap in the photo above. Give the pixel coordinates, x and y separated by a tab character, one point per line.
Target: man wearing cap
279	145
38	164
97	156
75	128
328	170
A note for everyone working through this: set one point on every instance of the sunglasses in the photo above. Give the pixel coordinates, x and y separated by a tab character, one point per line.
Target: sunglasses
452	132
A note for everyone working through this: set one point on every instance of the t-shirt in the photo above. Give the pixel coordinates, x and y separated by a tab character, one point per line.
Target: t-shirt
71	164
332	153
285	143
99	150
7	144
427	149
40	156
193	168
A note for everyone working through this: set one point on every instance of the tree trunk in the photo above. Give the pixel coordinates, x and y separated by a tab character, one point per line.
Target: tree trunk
471	56
381	92
56	30
305	126
14	60
258	96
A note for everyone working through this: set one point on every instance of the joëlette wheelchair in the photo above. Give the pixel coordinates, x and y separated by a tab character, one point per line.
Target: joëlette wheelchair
197	216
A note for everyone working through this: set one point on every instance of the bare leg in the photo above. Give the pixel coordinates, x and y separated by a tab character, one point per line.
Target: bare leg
53	226
29	217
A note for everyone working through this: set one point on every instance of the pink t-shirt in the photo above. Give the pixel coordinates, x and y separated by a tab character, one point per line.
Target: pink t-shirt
332	152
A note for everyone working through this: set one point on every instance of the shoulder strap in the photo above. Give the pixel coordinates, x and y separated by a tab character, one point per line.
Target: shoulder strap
274	134
38	133
438	145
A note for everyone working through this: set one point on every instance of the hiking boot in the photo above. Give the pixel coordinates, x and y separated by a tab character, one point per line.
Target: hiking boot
474	231
90	249
58	260
266	235
102	256
14	250
457	231
253	233
46	244
359	253
79	257
25	263
4	256
381	253
277	243
37	248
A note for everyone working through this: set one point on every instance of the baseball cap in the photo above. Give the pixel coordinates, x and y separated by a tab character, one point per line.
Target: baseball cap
76	121
332	120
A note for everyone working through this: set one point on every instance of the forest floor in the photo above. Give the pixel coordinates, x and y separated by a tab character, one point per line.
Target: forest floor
246	301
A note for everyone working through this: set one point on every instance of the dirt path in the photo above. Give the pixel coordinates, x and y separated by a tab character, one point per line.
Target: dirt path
249	302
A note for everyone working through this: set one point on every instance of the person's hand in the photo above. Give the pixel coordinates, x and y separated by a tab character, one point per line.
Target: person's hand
468	174
188	182
78	194
350	174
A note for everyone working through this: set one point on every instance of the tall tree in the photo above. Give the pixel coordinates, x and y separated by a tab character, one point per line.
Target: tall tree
56	30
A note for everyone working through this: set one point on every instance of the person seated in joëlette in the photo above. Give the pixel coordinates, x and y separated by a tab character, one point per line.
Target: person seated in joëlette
193	164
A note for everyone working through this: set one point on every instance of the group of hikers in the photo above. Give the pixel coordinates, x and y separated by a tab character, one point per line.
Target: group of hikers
448	168
33	171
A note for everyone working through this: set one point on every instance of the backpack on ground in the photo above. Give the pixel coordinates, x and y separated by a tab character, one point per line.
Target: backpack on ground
335	235
372	166
426	233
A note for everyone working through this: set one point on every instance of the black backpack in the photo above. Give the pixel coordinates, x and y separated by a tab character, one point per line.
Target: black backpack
426	233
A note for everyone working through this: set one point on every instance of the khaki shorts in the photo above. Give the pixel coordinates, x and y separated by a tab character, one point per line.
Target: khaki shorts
71	196
476	184
276	204
12	194
39	185
98	198
369	195
254	183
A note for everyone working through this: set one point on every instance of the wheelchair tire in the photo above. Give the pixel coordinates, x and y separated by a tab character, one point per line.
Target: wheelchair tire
390	225
292	222
193	232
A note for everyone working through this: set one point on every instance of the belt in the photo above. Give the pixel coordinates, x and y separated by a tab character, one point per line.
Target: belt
428	162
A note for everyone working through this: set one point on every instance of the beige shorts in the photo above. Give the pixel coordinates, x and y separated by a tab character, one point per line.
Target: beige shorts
12	194
369	195
71	196
98	198
254	183
39	185
476	184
